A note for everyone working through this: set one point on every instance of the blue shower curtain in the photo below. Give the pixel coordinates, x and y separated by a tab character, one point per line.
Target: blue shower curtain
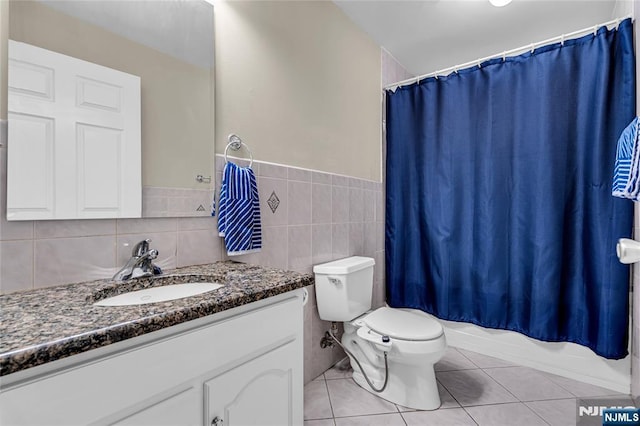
498	197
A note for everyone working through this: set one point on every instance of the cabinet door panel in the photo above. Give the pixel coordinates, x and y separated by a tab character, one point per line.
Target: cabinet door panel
181	409
262	392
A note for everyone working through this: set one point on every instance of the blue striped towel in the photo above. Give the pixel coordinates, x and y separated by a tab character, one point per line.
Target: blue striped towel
239	211
626	174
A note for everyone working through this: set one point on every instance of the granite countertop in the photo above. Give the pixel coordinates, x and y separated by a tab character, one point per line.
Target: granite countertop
48	324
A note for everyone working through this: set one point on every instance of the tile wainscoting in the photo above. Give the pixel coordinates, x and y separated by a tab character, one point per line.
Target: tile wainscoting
316	217
319	217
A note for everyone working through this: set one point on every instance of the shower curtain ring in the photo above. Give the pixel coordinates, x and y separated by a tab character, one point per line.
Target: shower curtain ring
504	56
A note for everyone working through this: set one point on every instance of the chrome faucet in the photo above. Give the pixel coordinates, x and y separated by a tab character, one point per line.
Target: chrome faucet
140	264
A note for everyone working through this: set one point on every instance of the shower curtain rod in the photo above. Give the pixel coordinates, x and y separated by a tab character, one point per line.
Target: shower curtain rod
532	46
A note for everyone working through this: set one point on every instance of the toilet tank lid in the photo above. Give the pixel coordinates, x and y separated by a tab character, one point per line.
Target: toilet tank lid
344	266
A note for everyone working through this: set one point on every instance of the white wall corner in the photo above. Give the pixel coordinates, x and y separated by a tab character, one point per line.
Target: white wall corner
392	70
623	8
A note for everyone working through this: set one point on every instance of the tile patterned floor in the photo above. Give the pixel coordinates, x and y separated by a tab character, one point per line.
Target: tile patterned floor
475	390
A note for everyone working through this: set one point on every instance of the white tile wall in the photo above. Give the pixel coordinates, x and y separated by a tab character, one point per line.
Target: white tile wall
16	260
173	202
197	246
69	260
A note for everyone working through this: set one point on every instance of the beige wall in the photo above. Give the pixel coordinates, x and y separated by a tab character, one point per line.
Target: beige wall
300	83
176	96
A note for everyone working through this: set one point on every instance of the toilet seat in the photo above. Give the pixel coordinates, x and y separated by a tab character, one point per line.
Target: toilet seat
403	324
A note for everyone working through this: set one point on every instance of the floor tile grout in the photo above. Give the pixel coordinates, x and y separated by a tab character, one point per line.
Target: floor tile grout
501	385
329	395
517	400
535	412
470	416
403	419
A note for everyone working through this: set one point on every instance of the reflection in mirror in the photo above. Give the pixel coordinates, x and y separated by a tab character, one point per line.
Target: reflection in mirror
169	46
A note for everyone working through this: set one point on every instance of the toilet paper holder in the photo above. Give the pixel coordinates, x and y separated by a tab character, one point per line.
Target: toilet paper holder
628	250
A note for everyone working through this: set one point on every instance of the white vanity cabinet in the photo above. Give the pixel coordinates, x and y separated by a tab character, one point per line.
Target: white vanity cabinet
242	366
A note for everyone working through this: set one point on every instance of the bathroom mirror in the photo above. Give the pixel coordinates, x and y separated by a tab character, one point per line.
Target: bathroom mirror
169	45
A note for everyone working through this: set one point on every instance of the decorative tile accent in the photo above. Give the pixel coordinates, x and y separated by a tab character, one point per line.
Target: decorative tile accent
273	202
175	202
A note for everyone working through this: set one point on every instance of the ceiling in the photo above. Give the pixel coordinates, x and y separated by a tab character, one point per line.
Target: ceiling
429	35
182	29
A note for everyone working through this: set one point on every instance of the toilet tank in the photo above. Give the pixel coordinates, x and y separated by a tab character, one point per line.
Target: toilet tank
344	288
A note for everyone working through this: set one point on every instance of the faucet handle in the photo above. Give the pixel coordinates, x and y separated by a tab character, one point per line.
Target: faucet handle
141	248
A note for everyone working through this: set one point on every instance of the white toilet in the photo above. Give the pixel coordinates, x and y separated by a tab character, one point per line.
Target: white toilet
415	340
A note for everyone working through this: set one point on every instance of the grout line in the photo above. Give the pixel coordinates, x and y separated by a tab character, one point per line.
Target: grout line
466	357
403	419
456	369
329	395
366	415
470	416
500	384
536	413
499	403
450	393
502	366
33	264
411	410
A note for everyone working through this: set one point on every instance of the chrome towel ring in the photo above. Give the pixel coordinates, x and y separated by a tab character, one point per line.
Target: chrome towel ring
235	143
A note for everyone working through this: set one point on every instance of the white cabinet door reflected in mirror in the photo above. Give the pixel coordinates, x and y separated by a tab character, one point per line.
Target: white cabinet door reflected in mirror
74	143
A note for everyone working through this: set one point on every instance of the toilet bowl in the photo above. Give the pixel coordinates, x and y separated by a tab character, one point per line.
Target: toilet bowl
412	340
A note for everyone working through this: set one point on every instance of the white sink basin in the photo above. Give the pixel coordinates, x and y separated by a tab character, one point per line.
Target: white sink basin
158	294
